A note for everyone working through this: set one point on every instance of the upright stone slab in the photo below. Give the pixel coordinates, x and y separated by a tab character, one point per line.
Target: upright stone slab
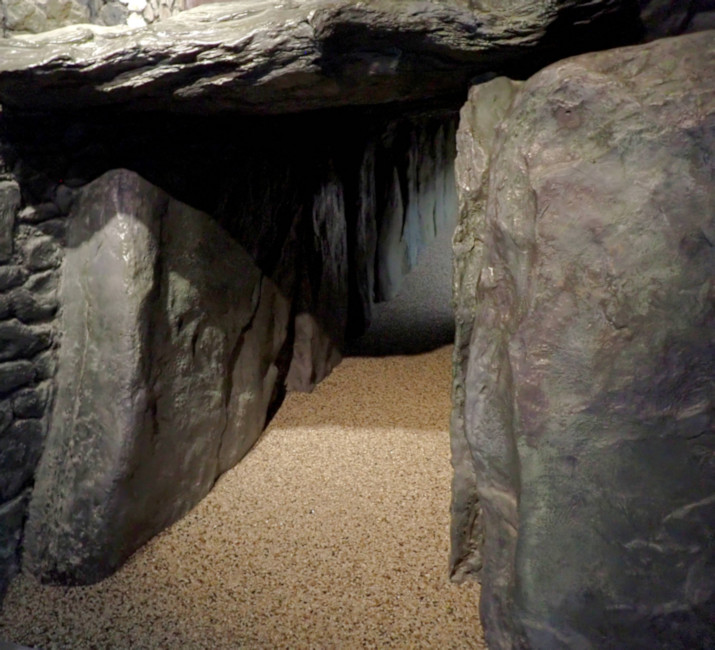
586	395
165	375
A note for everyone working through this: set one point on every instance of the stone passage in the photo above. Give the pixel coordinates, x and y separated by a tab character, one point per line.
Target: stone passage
181	332
311	541
584	427
313	142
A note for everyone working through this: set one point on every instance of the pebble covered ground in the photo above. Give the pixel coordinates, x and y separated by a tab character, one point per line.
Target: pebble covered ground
331	533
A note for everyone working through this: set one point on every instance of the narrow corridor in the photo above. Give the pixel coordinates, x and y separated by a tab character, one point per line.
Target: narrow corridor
331	533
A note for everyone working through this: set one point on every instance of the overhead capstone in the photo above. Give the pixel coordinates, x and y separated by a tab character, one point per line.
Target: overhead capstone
268	57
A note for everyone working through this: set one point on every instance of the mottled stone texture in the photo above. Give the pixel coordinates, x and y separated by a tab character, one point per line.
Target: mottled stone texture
35	16
585	393
29	249
178	342
166	372
270	57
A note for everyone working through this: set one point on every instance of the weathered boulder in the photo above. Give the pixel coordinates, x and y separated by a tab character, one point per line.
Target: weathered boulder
166	373
584	428
267	57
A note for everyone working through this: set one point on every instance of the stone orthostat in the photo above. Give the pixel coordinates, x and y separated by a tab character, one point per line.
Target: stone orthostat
584	427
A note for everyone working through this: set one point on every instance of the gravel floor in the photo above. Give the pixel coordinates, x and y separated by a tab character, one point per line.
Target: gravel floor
331	533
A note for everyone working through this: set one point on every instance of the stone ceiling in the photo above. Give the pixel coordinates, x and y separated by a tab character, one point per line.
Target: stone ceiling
266	57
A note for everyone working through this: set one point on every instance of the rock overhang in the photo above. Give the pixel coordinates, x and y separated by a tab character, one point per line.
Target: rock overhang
265	57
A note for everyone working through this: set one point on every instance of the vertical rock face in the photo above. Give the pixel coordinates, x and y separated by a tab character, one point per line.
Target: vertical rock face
584	428
30	236
417	187
165	375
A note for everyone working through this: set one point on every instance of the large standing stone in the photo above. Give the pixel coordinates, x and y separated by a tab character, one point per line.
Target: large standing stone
586	421
165	375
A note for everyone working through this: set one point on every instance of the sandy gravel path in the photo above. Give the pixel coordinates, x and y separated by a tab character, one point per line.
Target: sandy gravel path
331	533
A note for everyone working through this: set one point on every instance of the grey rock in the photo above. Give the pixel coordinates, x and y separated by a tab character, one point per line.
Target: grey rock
38	213
480	117
64	197
9	204
6	310
12	276
419	201
20	449
43	283
20	340
585	258
15	374
30	403
65	12
12	518
55	228
30	307
315	354
365	247
45	365
322	314
24	16
165	375
42	253
268	57
6	415
113	13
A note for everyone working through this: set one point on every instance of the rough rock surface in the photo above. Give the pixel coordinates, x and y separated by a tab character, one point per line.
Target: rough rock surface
28	302
585	392
268	57
35	16
165	375
306	216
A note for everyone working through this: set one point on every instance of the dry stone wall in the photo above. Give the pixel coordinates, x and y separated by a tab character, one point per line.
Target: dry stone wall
32	224
36	16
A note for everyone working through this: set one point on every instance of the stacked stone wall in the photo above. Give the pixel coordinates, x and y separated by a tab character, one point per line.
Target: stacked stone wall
35	16
31	237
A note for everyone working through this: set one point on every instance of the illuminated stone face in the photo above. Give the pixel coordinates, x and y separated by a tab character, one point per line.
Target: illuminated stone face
585	376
